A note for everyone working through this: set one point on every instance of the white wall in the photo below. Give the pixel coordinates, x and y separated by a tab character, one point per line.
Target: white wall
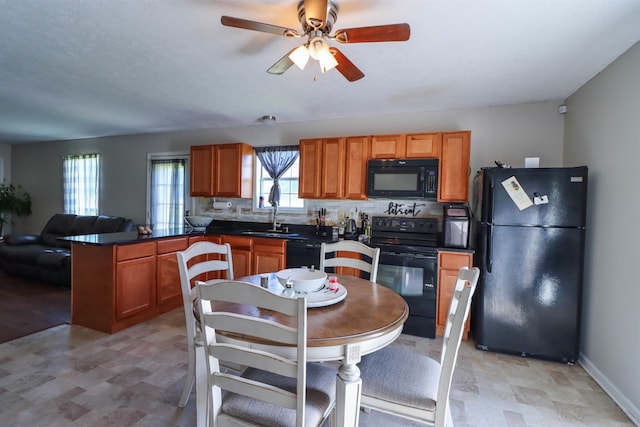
602	130
508	133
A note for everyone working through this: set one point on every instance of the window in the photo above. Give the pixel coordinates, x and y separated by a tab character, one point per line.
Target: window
167	193
81	177
288	188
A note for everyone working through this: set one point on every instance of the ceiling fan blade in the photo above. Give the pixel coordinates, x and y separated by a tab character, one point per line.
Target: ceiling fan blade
315	13
282	65
245	24
346	67
379	33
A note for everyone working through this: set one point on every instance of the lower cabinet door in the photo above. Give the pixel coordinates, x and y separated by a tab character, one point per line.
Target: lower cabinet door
135	286
169	287
266	262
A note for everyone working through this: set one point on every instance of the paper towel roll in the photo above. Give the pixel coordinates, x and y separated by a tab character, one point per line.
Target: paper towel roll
221	205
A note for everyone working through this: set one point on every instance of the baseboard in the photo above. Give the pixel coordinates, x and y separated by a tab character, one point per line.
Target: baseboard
621	400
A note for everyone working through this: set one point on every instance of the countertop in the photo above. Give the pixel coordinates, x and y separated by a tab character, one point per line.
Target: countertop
304	233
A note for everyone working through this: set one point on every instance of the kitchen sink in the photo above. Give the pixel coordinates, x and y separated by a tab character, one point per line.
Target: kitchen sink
279	234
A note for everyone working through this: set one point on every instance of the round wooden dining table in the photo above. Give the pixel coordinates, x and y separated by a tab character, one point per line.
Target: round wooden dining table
369	318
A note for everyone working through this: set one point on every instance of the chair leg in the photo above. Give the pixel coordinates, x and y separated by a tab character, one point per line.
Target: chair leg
203	394
449	419
191	376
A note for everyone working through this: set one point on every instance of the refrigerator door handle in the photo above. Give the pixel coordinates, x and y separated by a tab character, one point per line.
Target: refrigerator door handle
488	256
489	202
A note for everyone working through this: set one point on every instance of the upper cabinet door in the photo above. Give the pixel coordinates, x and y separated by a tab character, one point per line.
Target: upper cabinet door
332	186
423	145
224	170
388	146
202	171
234	170
355	178
310	168
455	167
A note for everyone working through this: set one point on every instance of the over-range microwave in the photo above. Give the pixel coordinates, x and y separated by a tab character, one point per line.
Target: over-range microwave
403	179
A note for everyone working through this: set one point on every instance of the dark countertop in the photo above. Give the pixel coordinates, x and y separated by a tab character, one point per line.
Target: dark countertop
234	228
303	233
105	239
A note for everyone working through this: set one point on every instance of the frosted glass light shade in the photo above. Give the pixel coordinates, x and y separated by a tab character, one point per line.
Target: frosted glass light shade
327	61
300	56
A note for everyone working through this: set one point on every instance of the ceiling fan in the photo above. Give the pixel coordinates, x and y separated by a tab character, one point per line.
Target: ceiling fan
317	18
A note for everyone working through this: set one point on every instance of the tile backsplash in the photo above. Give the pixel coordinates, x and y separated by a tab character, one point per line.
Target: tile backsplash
242	210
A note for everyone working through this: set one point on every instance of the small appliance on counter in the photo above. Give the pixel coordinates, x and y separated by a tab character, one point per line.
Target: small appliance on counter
455	226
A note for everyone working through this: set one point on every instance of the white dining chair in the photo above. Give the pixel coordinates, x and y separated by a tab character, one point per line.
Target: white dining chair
352	246
411	385
198	261
273	390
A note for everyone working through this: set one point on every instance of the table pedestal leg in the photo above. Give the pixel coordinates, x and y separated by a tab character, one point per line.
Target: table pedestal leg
349	389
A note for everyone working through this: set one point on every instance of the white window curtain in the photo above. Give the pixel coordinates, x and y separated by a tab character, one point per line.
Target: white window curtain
167	193
81	184
276	161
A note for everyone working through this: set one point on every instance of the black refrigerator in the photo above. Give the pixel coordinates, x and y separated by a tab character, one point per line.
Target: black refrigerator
530	235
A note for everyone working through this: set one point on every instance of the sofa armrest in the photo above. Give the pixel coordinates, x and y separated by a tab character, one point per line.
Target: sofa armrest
22	239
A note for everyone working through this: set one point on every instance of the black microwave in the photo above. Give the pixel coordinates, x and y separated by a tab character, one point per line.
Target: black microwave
403	179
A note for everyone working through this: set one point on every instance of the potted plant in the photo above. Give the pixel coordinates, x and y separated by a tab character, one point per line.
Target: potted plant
14	200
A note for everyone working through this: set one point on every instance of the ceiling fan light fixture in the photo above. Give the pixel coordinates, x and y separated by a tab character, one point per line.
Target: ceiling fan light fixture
316	46
300	56
319	50
327	61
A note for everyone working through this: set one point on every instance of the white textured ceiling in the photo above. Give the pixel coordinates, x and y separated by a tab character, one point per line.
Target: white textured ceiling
74	69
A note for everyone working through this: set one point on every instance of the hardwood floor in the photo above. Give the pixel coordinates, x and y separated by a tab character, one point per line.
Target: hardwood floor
28	306
72	376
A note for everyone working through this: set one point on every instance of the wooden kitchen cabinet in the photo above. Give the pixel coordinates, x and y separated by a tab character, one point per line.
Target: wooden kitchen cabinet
202	170
449	263
268	255
310	169
234	170
406	146
116	286
241	252
222	170
423	145
453	182
357	155
135	279
388	146
332	178
334	168
167	273
256	255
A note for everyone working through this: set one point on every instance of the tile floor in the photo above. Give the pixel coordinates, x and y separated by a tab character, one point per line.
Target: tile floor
73	376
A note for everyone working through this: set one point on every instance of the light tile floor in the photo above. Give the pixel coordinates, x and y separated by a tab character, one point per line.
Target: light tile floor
73	376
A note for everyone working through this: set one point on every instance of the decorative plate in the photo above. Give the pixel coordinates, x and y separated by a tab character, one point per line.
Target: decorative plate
323	297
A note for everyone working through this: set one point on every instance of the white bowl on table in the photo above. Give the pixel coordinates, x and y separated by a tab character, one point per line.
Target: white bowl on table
302	279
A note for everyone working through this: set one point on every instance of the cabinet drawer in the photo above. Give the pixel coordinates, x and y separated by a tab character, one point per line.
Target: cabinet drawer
275	246
454	260
167	246
238	242
136	250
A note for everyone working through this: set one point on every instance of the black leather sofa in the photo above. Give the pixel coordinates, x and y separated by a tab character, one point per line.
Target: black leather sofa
46	258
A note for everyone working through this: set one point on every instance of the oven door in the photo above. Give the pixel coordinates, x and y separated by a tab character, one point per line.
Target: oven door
412	275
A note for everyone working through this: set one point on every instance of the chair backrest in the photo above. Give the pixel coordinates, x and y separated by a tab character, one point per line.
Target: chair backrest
196	262
289	328
343	261
466	283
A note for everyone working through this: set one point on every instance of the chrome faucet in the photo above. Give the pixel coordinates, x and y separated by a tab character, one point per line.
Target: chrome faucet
275	225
